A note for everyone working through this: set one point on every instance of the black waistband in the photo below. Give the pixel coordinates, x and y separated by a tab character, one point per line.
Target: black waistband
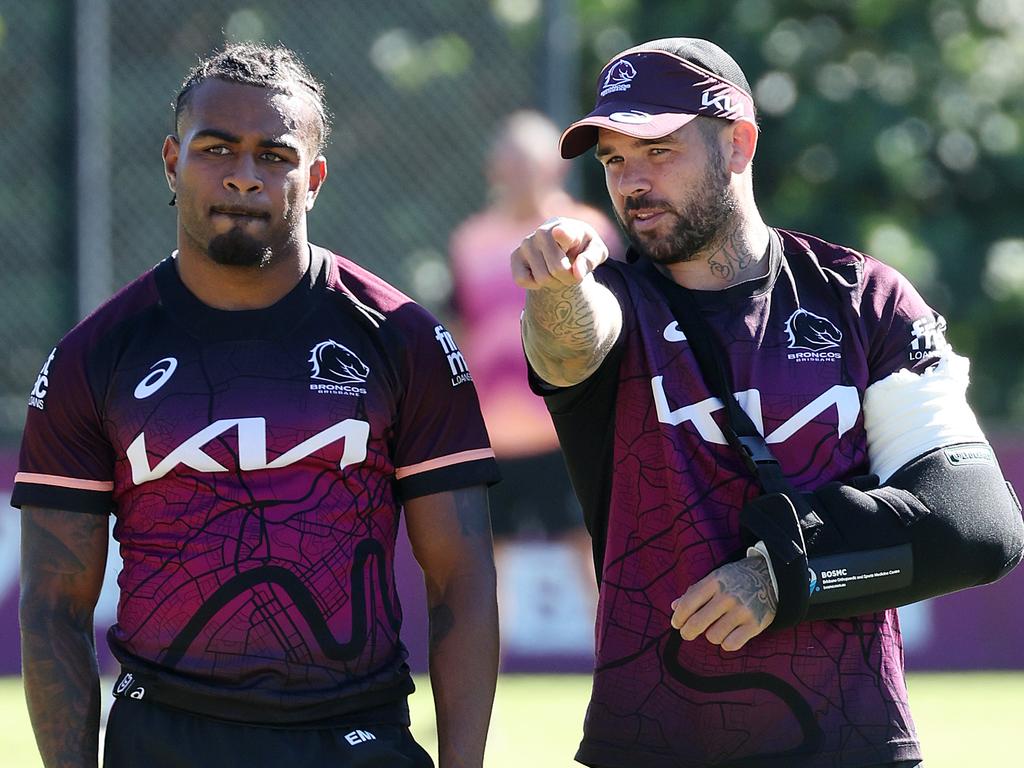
385	706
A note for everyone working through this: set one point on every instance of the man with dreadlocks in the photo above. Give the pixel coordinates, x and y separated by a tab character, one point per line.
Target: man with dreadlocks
256	412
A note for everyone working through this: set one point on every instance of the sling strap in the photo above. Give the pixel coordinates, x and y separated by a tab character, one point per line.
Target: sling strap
784	516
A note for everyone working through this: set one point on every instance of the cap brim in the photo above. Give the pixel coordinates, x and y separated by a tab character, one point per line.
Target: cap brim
582	135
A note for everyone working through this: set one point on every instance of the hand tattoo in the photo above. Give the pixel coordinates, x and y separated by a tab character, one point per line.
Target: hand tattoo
749	582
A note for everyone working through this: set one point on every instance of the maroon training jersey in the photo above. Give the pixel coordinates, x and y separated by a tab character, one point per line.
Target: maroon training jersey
256	462
662	492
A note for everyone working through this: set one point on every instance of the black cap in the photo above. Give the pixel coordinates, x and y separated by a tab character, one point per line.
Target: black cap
655	88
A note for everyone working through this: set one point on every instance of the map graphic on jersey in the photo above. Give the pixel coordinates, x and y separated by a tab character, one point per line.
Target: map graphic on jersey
667	515
256	462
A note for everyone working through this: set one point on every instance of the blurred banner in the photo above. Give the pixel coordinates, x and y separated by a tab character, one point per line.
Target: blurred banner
541	603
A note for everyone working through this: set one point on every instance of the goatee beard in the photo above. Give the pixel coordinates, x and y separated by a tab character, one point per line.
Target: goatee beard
701	222
234	248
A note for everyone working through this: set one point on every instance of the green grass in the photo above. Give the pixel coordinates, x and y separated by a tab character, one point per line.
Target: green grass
963	720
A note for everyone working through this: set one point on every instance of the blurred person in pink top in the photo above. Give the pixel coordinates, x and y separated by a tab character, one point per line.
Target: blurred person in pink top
525	176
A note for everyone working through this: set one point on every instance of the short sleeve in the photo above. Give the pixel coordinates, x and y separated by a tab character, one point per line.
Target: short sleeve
440	441
66	461
903	331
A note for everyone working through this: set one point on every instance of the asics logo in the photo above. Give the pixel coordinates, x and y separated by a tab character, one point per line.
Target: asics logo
673	332
633	117
160	372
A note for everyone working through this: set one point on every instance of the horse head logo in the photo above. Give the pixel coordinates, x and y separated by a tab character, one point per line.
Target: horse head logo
337	364
620	74
809	331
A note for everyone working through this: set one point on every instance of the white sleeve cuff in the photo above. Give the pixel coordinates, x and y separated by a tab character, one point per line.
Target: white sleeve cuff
762	550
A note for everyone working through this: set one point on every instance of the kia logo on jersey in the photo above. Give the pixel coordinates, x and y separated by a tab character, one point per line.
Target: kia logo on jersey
812	332
251	448
844	400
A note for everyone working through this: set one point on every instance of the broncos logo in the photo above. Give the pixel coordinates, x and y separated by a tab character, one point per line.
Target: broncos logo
808	331
620	74
337	364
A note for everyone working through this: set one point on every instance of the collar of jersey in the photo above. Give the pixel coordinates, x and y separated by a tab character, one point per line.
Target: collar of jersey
211	324
748	289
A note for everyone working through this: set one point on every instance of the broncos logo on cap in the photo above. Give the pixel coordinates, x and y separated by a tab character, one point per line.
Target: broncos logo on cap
809	331
337	364
620	74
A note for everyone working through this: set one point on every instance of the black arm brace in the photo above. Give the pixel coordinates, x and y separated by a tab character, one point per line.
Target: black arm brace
945	521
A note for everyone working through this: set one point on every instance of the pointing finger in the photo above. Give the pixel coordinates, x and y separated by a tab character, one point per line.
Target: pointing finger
596	252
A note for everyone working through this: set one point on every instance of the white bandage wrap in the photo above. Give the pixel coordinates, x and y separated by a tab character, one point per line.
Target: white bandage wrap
761	550
908	414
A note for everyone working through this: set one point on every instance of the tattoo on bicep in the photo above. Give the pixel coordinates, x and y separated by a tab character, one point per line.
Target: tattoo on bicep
61	551
471	509
749	582
441	622
64	543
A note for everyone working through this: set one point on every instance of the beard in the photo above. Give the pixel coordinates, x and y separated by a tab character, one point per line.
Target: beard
700	222
234	248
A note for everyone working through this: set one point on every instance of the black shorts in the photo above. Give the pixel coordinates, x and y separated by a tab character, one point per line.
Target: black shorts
151	735
534	498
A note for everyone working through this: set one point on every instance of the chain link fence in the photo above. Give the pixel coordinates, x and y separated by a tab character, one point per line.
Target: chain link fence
35	197
416	90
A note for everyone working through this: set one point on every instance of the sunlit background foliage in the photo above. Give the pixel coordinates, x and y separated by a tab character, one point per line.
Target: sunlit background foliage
893	126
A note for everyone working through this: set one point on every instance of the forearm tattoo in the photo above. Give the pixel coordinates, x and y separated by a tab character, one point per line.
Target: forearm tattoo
441	622
561	334
59	656
748	581
562	320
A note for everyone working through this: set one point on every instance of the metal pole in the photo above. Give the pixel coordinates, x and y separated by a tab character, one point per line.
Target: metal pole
93	258
561	81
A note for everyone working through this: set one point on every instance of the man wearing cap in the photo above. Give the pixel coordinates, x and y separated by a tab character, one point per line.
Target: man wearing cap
748	578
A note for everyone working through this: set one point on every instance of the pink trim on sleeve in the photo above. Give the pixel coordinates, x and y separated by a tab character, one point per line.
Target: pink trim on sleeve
444	461
64	482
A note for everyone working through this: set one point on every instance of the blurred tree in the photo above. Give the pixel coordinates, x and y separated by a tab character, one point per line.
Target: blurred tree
893	126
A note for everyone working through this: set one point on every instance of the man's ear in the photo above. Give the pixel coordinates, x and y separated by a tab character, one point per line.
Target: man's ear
317	176
743	145
172	148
